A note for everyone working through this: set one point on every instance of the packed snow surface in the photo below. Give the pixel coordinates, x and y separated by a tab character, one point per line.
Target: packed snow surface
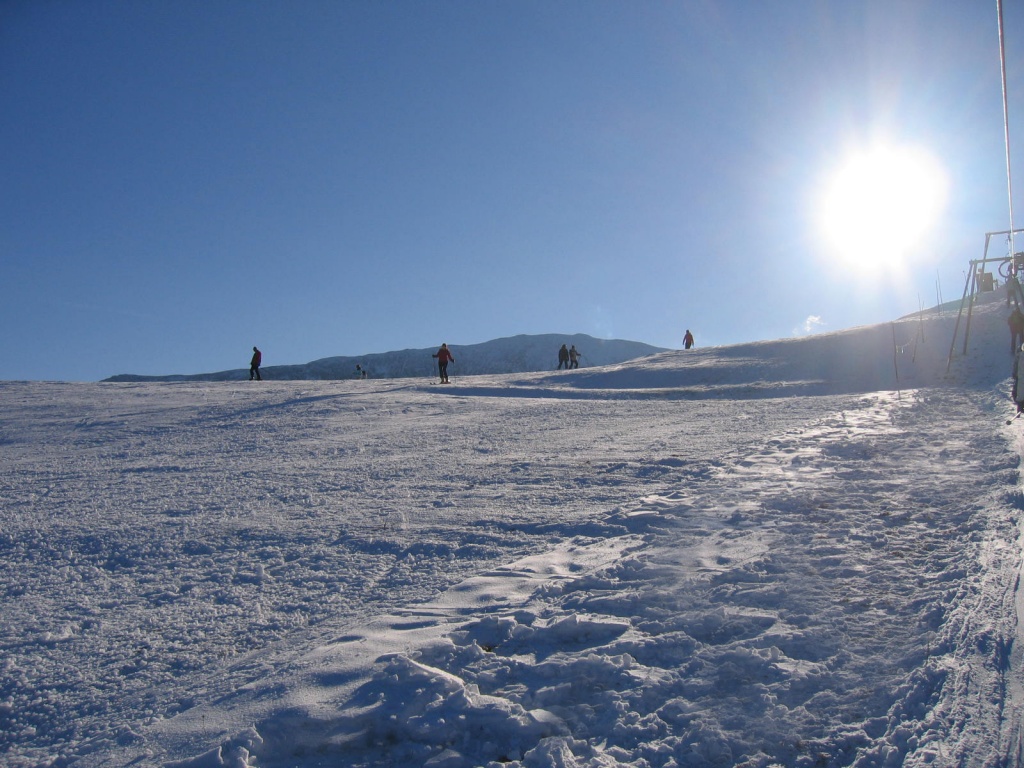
797	553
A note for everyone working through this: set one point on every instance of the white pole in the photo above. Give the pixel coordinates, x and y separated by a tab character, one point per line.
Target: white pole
1006	118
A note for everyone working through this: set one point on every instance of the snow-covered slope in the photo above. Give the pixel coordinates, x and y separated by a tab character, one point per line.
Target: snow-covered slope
515	354
793	553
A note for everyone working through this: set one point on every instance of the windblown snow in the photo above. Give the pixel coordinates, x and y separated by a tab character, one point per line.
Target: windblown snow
796	553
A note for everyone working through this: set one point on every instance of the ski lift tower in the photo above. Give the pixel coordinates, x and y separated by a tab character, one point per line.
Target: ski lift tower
1011	265
979	280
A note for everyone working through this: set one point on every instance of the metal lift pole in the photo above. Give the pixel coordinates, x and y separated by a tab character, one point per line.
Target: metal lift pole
960	314
973	281
1006	117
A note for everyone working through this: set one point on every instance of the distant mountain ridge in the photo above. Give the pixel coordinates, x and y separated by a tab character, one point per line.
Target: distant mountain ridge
514	354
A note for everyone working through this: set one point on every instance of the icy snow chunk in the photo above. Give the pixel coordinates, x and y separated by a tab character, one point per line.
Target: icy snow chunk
447	759
564	752
412	702
574	629
63	634
236	753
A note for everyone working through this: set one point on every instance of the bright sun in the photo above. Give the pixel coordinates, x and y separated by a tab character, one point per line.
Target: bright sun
880	205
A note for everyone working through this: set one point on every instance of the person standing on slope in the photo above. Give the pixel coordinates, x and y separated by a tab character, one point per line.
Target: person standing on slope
687	339
563	358
254	365
574	357
1017	390
1016	323
443	358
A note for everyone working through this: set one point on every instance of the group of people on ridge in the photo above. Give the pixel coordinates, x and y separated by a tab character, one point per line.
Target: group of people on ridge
569	358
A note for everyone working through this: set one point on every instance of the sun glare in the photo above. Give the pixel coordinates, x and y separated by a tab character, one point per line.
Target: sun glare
880	205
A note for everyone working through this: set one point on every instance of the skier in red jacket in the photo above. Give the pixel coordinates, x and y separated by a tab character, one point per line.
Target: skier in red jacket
254	365
443	358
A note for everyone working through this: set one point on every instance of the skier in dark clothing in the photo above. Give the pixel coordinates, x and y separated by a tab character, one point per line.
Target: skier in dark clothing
1016	323
563	357
254	365
687	339
443	358
1017	388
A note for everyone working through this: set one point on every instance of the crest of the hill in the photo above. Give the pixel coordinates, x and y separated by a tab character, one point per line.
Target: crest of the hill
515	354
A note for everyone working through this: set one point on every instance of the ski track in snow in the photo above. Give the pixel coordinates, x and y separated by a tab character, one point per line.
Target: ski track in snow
753	622
154	532
383	573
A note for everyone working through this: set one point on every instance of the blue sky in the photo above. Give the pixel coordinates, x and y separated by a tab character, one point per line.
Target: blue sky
182	180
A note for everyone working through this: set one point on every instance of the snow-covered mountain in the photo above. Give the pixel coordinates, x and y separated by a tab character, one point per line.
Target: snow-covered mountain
794	553
515	354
